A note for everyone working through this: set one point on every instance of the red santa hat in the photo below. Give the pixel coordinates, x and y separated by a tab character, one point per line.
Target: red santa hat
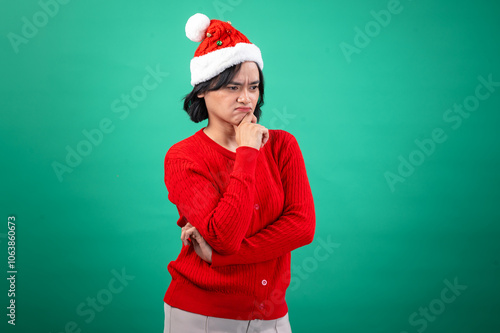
221	47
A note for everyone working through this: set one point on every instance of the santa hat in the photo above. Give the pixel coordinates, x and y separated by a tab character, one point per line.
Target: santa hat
221	47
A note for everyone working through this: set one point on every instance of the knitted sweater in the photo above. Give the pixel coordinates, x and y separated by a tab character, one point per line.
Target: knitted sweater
253	207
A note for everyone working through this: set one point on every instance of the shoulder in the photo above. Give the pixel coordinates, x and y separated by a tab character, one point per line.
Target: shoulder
281	138
280	135
284	146
184	149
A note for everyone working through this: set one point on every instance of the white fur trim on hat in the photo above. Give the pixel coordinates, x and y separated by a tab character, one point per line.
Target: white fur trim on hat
207	66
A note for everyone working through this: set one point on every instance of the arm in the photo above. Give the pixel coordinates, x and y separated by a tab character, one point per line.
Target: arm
295	228
222	220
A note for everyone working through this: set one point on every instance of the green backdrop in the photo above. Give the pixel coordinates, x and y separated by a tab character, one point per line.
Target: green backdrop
395	106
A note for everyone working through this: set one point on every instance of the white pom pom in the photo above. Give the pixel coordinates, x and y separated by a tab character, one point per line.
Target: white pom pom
196	27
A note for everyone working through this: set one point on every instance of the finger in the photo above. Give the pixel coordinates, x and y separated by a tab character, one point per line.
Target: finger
196	236
186	233
186	227
201	242
183	235
247	118
254	119
265	136
190	233
185	240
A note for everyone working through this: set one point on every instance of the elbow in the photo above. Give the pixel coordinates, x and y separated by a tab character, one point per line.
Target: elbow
226	250
227	247
308	237
309	231
224	243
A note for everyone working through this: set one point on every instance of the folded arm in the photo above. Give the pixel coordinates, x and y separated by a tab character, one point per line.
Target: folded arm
295	227
221	219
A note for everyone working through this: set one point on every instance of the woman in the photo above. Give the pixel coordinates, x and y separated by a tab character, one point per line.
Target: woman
242	193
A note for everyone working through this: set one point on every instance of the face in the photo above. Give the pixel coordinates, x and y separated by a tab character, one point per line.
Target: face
231	103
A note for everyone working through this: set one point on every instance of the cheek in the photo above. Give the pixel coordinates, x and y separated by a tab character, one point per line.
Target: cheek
212	100
256	97
208	102
218	102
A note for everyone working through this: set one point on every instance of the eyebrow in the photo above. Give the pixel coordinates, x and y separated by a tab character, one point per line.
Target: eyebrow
239	84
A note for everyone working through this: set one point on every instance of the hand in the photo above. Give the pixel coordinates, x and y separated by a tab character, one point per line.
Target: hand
249	133
201	247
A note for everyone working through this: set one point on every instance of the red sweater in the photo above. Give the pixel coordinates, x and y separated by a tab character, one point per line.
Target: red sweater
253	207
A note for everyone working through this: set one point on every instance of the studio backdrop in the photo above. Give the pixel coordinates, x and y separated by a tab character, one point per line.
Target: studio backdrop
395	105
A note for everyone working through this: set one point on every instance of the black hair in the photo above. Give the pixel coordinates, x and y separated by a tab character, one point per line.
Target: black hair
196	107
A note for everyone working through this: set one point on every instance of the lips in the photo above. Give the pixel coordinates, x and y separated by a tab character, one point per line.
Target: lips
243	109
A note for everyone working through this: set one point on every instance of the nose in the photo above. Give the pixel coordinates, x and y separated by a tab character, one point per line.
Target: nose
244	97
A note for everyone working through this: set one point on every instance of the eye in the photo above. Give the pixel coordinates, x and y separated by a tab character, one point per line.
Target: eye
254	87
232	87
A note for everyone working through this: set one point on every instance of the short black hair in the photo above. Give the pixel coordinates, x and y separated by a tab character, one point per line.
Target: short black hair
196	107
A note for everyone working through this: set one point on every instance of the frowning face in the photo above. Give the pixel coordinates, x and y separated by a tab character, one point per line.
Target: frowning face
231	103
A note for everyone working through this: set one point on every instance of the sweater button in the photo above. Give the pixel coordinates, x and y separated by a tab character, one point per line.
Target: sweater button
256	206
264	282
261	306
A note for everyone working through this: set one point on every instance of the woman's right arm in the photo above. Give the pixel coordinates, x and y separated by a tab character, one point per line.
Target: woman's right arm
294	228
222	220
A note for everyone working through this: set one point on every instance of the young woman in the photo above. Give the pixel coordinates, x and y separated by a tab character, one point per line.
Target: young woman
242	194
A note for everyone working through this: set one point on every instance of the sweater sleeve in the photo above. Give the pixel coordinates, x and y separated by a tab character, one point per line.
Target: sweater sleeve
222	220
294	228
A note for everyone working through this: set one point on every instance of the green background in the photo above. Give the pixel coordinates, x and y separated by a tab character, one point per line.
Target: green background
355	116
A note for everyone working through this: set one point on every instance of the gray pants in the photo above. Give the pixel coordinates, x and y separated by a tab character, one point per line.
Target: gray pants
180	321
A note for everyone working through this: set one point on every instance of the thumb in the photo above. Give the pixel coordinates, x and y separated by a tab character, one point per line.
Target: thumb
248	118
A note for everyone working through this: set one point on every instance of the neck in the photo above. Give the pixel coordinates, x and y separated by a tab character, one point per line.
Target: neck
222	134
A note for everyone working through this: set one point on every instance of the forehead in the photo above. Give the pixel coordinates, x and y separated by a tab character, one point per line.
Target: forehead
248	70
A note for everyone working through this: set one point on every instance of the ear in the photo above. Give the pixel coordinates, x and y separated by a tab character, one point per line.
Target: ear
201	95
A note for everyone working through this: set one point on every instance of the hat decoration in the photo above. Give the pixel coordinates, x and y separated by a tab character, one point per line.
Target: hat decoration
222	46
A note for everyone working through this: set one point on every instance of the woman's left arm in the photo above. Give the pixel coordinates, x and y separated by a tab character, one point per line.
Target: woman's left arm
294	228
